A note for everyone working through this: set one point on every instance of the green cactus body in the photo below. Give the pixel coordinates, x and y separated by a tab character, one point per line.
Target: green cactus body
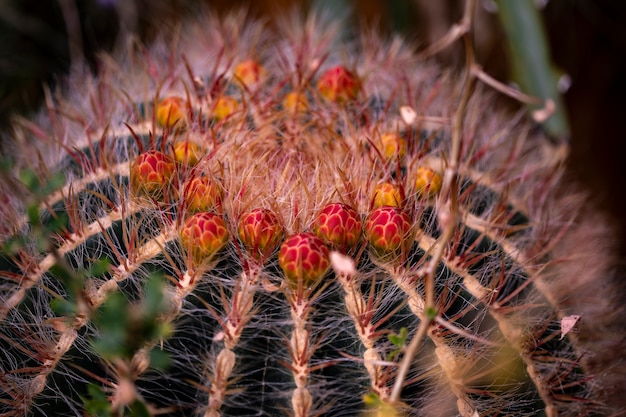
84	322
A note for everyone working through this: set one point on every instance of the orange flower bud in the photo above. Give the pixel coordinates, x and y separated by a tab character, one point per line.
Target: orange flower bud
151	173
186	153
203	235
393	146
224	107
171	112
201	194
387	194
295	102
427	182
249	72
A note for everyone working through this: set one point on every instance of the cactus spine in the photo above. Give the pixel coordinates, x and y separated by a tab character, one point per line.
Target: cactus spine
239	165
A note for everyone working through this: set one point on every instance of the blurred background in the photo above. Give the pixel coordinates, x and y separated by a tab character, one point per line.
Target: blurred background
587	38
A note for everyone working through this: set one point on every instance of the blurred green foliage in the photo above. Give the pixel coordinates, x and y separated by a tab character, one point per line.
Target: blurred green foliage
531	60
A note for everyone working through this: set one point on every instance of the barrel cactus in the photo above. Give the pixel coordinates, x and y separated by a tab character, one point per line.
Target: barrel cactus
242	221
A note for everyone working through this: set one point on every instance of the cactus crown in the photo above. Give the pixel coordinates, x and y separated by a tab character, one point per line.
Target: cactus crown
181	264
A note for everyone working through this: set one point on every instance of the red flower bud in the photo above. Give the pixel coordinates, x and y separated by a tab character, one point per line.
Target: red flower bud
339	225
201	194
304	258
151	173
203	235
338	84
260	232
388	231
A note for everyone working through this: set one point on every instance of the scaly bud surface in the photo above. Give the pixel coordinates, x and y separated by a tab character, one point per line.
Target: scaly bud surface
249	73
394	146
203	235
225	106
388	231
186	153
387	194
427	182
295	102
304	258
260	232
151	173
201	194
339	225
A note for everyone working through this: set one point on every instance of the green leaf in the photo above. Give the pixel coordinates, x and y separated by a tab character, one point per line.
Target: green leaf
154	300
530	57
430	313
55	182
99	268
97	405
399	340
112	322
64	308
159	359
29	178
139	409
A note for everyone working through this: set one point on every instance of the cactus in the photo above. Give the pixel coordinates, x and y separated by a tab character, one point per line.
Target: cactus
255	221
